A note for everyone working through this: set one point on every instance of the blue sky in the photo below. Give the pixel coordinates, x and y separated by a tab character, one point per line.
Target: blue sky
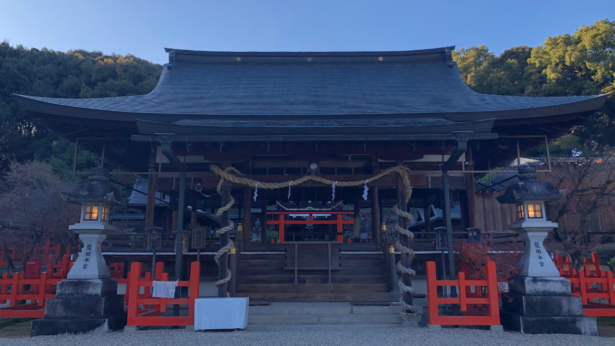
144	28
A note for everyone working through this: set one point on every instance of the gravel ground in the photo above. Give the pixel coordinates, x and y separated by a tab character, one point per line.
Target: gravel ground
314	335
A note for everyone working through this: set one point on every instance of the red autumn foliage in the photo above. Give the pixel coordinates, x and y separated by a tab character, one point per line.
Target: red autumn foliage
506	257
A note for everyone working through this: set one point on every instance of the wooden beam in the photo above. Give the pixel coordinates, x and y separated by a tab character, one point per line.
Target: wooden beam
356	234
470	187
417	180
309	151
427	213
373	193
263	216
247	215
151	193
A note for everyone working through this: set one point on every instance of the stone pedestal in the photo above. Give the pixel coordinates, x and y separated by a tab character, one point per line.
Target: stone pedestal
82	306
86	302
544	305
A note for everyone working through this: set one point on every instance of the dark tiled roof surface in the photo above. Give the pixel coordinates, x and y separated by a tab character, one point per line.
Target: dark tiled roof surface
210	84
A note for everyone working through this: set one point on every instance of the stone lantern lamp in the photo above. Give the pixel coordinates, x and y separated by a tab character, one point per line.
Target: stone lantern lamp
87	301
539	300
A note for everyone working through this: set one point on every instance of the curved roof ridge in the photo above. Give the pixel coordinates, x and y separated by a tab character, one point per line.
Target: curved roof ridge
311	53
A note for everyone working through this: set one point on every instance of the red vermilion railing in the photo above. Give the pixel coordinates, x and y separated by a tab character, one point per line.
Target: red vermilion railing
135	318
466	299
38	292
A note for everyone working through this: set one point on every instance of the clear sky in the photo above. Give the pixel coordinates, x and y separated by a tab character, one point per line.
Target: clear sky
144	27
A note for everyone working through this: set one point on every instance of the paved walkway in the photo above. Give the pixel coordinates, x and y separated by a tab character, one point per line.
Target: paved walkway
355	335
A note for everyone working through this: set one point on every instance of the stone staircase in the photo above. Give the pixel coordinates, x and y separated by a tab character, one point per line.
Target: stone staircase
362	278
323	313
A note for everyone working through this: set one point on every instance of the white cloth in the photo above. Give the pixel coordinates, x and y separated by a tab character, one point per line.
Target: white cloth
164	289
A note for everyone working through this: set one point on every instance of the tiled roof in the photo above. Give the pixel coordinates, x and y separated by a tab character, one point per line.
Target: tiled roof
365	84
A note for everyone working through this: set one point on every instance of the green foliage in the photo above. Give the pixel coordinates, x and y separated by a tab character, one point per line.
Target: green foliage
566	65
272	235
606	252
74	74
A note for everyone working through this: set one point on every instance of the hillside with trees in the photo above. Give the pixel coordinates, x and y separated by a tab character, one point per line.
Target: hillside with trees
74	74
566	65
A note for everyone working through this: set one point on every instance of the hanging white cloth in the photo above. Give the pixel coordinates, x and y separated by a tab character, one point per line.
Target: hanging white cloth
289	189
256	191
333	192
164	289
365	189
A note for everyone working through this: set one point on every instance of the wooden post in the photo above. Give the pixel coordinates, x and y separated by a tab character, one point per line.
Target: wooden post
427	213
224	221
151	192
405	258
247	215
225	194
194	215
193	223
356	234
340	228
470	188
174	221
263	216
281	229
233	265
376	236
393	286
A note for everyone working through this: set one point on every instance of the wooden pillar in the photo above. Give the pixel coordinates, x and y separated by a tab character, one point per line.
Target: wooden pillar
340	228
427	213
281	229
174	221
225	194
194	215
247	215
356	234
404	240
264	216
373	192
151	192
470	188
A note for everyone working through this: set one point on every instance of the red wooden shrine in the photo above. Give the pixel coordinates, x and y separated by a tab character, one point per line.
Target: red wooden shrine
282	222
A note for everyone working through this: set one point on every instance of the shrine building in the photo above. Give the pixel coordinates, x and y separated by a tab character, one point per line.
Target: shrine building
321	153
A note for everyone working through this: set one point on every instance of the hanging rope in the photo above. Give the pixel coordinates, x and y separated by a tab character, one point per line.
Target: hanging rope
221	231
408	312
242	180
403	172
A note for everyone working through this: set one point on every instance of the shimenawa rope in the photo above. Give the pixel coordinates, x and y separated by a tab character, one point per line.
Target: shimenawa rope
225	175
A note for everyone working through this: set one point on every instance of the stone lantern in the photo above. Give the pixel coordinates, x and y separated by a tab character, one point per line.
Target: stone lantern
539	300
87	301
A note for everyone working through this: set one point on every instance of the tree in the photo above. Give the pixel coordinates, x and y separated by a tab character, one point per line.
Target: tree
74	74
32	210
566	65
476	256
590	185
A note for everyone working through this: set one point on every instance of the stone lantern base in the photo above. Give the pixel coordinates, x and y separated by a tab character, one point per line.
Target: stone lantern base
82	306
544	305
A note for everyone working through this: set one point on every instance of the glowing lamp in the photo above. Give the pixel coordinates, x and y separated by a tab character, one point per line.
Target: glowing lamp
96	199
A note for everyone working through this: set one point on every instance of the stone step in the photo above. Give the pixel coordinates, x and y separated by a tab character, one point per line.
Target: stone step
325	319
344	271
313	288
322	309
289	278
323	297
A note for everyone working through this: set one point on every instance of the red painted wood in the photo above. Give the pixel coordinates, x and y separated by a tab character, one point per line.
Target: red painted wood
138	317
464	300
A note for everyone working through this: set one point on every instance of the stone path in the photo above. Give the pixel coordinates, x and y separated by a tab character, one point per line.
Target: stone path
355	335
